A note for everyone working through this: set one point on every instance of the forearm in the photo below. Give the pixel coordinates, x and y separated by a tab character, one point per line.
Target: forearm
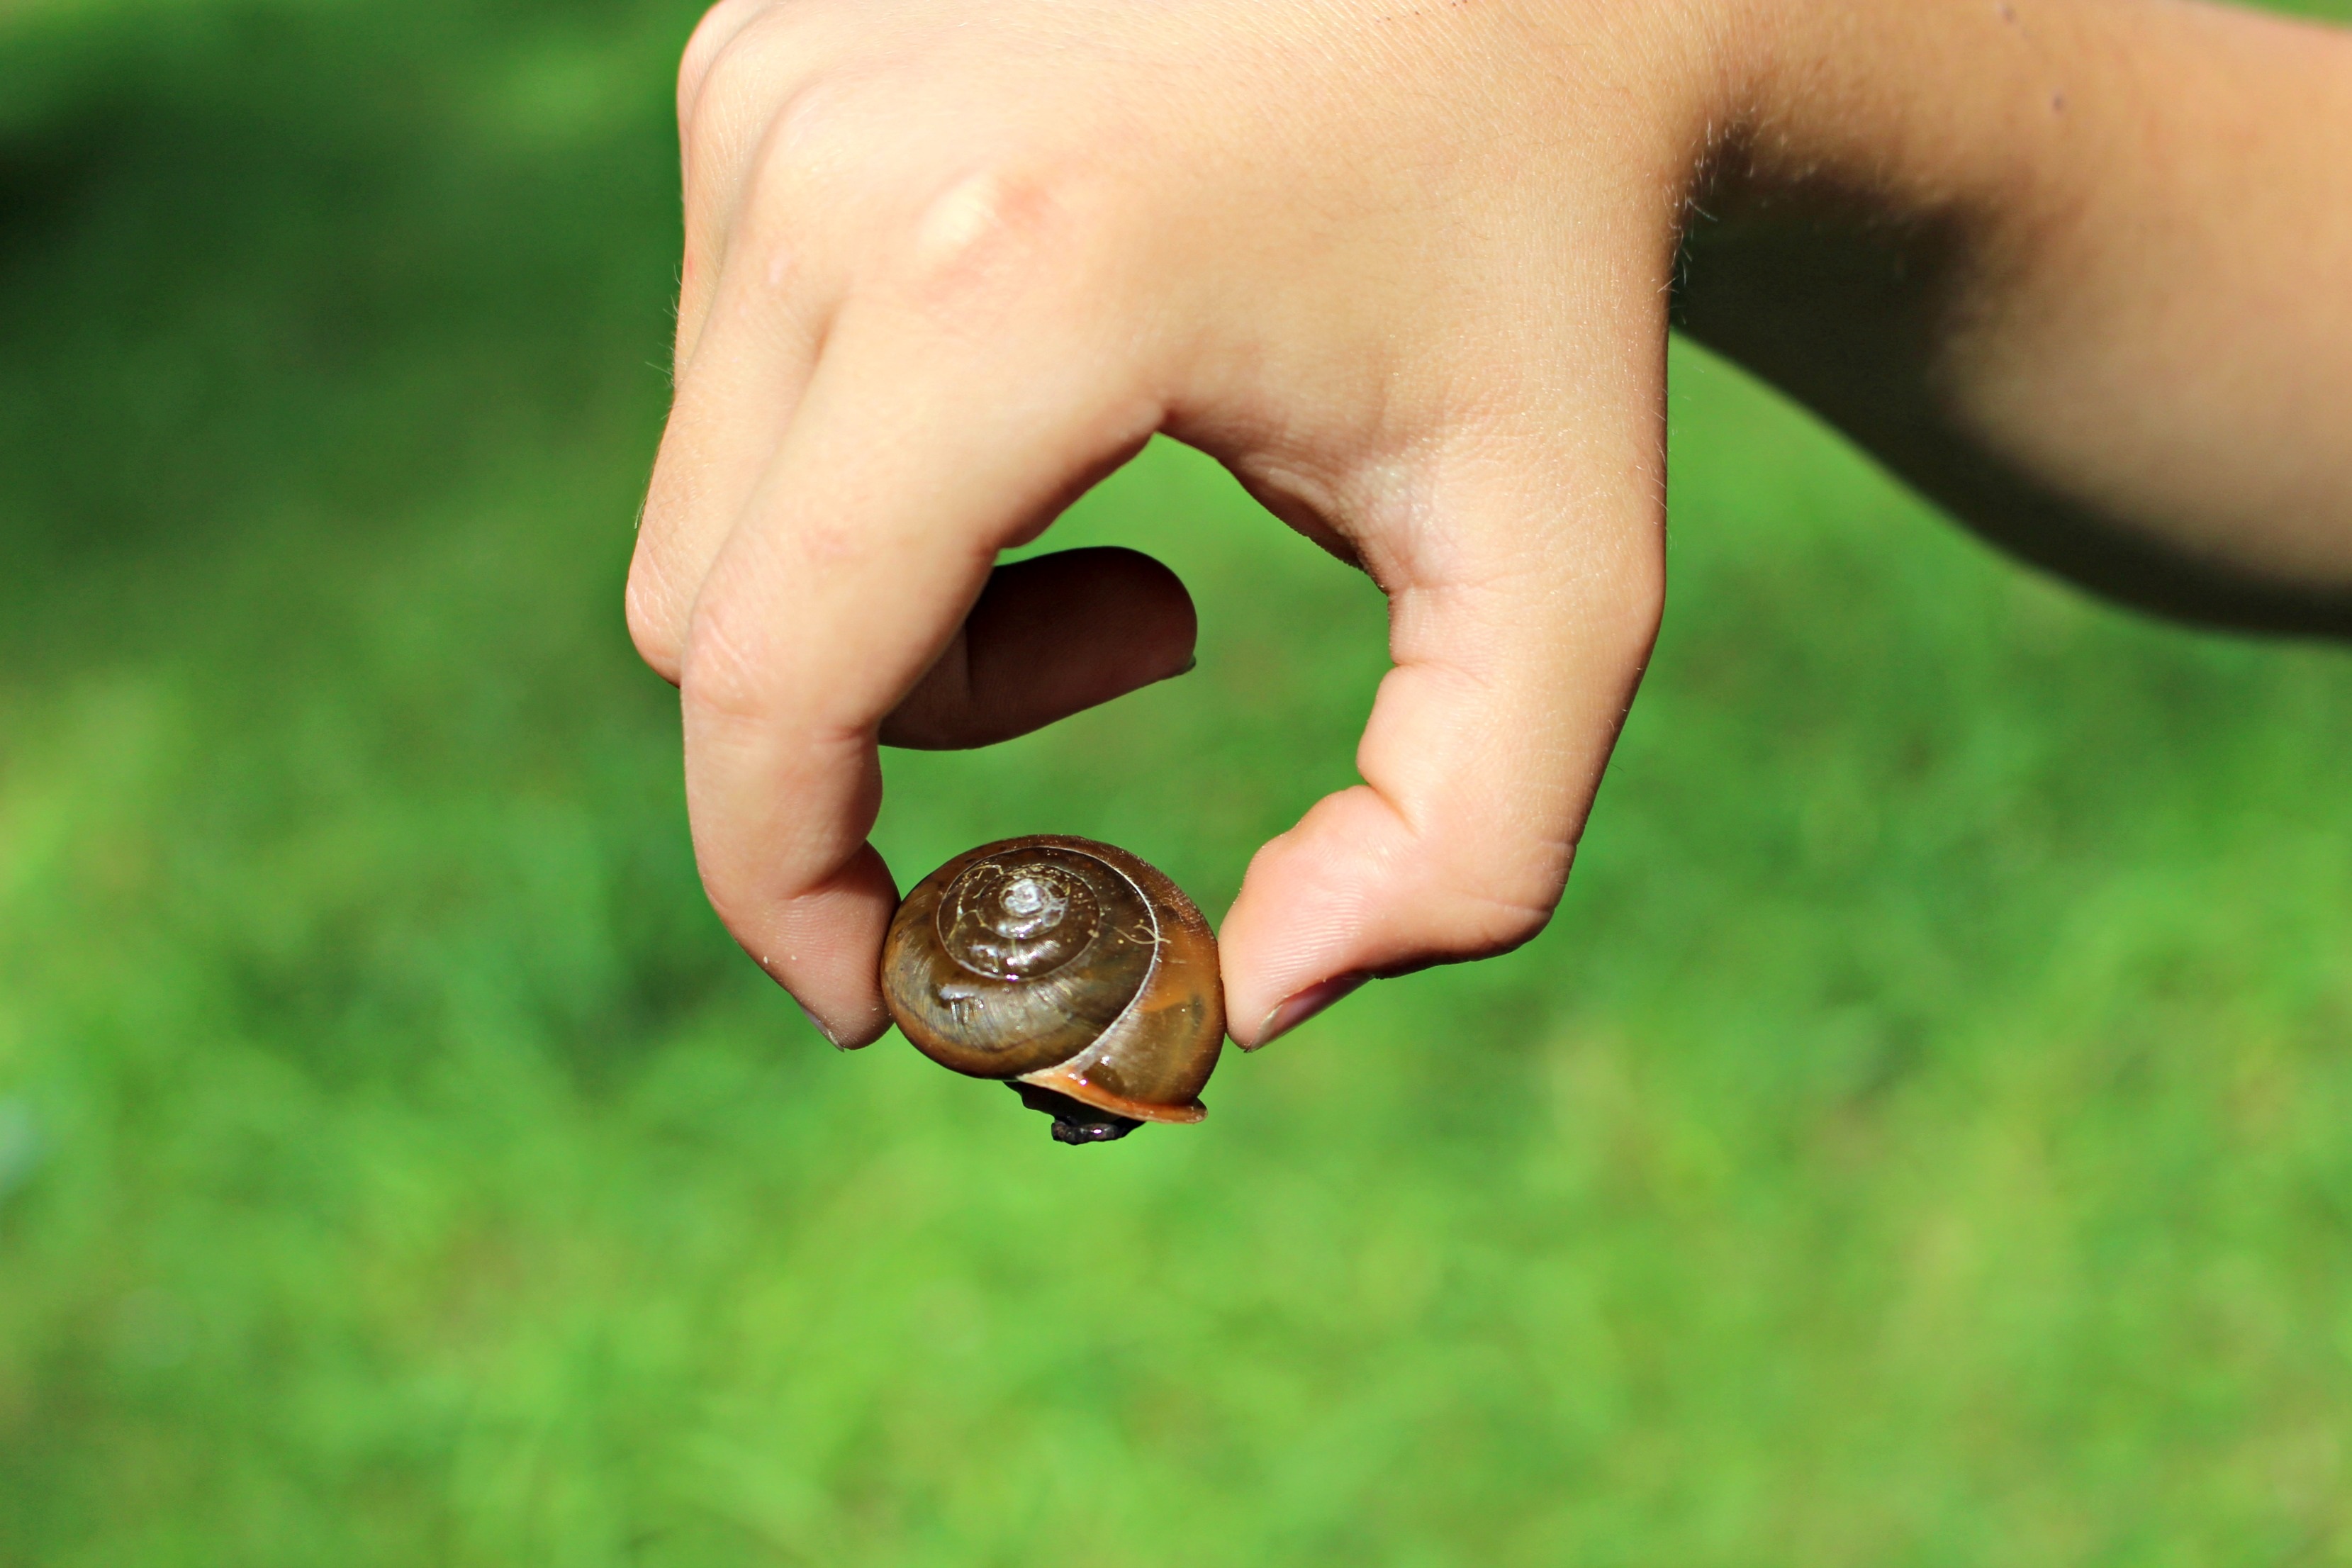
2079	269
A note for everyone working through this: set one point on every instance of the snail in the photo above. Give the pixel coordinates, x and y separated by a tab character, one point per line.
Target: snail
1071	970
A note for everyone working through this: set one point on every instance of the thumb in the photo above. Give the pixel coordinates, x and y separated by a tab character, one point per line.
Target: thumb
1525	596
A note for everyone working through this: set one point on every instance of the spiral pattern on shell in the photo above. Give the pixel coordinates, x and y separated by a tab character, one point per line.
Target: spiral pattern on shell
1017	921
1064	964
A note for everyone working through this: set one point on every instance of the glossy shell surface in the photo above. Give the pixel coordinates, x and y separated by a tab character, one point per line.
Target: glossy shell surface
1065	963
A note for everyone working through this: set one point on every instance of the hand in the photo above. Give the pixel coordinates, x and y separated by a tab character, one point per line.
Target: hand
1402	267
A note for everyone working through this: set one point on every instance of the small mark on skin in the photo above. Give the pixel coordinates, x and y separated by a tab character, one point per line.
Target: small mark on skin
2057	103
980	224
2009	15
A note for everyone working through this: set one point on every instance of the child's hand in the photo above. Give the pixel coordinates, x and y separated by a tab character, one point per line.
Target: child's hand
1404	267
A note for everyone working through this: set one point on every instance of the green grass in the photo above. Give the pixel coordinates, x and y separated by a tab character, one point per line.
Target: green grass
1921	1139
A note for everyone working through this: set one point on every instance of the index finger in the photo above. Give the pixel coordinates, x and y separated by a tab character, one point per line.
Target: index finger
917	453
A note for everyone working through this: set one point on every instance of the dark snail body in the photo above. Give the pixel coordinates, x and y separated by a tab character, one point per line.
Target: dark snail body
1070	969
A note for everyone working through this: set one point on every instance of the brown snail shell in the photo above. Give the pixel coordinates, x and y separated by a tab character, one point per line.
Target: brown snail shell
1072	970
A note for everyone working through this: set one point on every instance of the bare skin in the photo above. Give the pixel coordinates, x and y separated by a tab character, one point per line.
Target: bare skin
2081	269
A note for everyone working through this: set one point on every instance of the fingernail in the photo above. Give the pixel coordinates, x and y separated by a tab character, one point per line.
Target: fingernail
817	1024
1192	663
1304	1006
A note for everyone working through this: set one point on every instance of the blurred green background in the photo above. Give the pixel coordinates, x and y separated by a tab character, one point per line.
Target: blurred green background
1925	1136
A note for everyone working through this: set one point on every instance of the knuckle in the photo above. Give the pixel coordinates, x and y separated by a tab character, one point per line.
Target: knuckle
722	672
751	86
653	626
819	127
798	163
733	898
710	42
1489	903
